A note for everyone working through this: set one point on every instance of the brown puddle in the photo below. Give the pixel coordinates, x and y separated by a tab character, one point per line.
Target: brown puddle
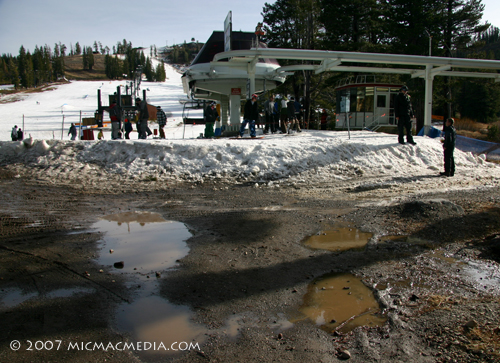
339	239
142	244
341	302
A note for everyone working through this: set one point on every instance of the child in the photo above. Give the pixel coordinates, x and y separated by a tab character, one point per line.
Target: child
450	136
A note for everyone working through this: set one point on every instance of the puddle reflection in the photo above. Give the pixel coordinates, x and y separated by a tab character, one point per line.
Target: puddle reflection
341	302
142	241
141	244
339	239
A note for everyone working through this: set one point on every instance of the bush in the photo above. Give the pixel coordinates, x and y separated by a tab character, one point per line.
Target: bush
467	124
493	133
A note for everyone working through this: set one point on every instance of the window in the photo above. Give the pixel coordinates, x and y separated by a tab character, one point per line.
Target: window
381	101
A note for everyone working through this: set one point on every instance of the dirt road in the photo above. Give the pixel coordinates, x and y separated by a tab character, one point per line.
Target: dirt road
247	273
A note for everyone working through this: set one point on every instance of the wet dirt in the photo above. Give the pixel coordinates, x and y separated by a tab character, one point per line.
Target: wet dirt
247	272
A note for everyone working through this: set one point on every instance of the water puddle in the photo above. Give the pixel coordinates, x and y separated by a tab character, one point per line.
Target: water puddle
406	239
339	239
12	297
144	245
341	302
141	242
483	276
65	293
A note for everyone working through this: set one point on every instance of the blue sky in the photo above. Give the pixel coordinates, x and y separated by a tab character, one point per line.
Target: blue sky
145	22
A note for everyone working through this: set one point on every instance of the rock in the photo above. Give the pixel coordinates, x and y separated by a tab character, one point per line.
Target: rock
119	264
111	251
414	297
158	275
471	324
343	354
280	336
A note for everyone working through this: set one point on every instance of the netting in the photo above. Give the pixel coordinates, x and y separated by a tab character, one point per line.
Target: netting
467	144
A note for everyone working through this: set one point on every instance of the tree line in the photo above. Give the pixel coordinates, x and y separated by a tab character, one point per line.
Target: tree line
126	60
48	65
450	28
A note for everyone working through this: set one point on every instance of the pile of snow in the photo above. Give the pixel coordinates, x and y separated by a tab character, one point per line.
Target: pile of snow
324	156
319	156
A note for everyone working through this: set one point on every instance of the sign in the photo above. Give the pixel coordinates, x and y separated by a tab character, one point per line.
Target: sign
235	91
228	28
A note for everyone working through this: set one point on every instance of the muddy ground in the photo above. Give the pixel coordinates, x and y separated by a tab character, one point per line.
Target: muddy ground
248	264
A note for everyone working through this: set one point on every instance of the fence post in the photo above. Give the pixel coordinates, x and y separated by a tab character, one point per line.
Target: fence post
62	130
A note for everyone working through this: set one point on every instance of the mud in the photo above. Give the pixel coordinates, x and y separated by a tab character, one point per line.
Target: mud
247	272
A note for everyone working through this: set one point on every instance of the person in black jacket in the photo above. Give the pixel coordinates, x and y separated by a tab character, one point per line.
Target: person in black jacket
404	113
250	116
210	118
450	138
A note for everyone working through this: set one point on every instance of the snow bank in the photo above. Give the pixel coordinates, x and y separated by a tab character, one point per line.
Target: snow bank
322	155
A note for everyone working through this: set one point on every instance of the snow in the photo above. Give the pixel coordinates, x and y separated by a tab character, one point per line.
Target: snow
319	156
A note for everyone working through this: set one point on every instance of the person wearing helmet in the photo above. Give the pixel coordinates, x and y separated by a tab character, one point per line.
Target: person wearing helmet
250	116
404	113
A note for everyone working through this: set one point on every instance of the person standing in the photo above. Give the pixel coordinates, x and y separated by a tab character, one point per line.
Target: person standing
294	122
404	113
210	118
450	138
115	116
269	112
250	115
298	115
13	133
283	112
162	120
324	118
142	124
20	135
128	128
72	131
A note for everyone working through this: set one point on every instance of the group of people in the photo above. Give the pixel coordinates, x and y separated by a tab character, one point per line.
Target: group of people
280	115
17	134
116	115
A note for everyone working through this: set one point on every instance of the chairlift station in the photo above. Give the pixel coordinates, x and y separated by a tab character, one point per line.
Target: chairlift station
233	65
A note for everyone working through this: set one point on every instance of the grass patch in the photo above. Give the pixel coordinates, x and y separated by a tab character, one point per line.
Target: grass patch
73	68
